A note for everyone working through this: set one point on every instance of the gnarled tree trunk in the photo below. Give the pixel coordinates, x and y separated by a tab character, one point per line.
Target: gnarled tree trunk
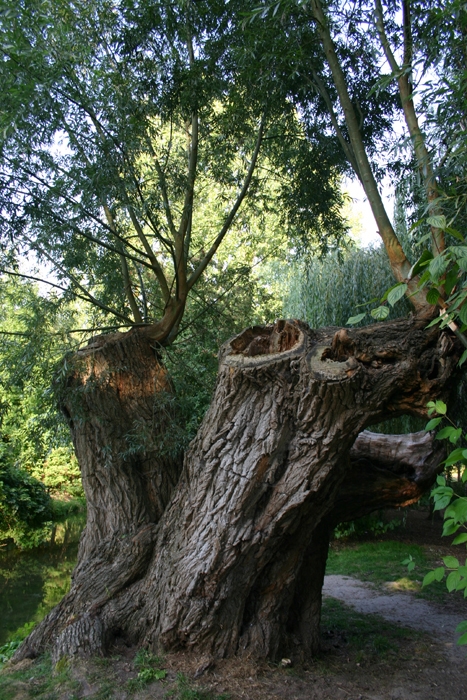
228	553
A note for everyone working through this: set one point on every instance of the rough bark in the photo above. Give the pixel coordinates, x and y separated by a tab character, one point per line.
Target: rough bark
231	556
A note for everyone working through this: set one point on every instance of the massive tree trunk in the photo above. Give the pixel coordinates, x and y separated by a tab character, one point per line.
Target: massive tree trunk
228	553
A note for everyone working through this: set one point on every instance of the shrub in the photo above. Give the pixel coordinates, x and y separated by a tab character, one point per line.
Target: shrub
25	508
60	473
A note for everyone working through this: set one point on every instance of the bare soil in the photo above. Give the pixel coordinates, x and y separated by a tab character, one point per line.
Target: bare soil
420	662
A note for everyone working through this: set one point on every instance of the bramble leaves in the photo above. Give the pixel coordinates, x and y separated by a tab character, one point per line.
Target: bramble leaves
435	575
433	423
436	407
449	433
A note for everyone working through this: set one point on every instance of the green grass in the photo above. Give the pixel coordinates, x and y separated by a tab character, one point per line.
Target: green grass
366	638
185	691
377	562
38	681
381	562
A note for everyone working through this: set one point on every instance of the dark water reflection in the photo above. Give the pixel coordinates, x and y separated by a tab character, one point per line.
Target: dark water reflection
31	583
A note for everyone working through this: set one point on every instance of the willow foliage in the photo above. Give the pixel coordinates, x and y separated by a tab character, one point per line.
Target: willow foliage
328	291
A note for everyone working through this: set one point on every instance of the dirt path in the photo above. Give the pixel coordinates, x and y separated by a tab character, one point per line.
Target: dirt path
399	608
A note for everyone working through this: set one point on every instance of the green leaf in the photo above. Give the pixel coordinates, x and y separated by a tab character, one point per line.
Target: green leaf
455	233
463	313
457	510
421	263
458	251
447	432
428	578
438	266
451	562
442	491
437	221
450	527
451	280
461	627
441	407
455	456
432	296
416	224
439	573
396	293
463	358
463	639
452	581
442	502
460	539
434	322
380	313
433	423
355	319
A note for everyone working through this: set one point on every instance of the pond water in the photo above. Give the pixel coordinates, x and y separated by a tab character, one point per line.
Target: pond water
32	582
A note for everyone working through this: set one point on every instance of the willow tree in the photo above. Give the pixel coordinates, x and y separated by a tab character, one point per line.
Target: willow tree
225	551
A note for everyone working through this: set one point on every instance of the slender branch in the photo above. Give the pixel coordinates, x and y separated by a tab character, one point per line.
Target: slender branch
407	29
85	298
125	271
165	196
228	222
37	279
150	253
103	133
143	294
90	298
346	146
193	143
411	119
397	258
89	214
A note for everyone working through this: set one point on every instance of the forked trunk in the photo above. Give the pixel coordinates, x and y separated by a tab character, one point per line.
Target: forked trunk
229	554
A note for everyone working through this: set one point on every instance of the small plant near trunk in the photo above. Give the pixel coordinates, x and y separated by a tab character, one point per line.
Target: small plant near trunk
185	691
149	670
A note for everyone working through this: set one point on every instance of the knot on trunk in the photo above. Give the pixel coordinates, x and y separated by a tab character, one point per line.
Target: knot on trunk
259	344
266	340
